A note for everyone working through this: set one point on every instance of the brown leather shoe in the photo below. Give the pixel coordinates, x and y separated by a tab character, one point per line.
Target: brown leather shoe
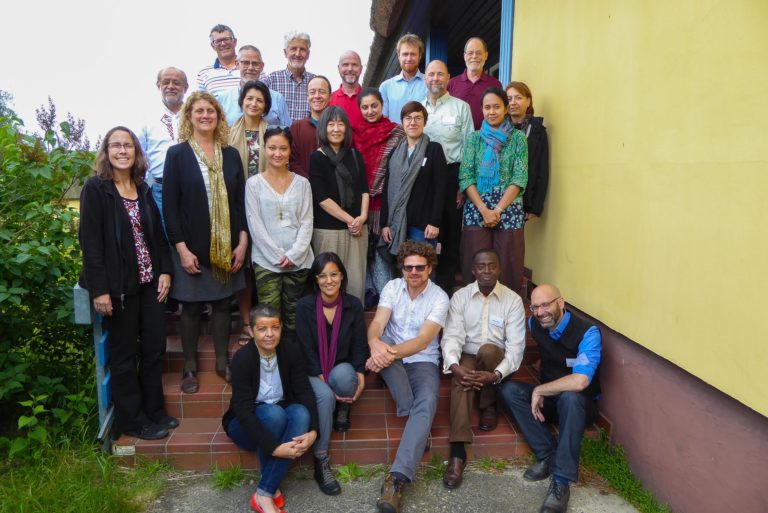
454	472
489	419
391	493
189	382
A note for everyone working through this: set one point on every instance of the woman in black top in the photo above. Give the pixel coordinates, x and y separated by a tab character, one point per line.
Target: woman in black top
414	189
204	207
126	270
331	330
272	410
521	115
340	197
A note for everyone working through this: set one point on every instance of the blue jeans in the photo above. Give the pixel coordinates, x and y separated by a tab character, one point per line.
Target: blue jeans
414	387
341	381
417	234
284	424
571	410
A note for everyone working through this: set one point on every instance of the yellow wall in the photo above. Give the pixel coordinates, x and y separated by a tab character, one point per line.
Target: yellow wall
655	220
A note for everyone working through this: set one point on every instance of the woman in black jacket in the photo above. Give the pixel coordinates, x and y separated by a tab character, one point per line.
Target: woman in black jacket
521	115
126	270
414	190
331	330
272	410
204	207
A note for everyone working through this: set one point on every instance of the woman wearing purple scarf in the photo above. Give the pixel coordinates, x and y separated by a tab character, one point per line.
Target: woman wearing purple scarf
493	175
331	331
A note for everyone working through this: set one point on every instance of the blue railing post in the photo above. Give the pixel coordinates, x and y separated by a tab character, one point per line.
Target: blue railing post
84	314
505	41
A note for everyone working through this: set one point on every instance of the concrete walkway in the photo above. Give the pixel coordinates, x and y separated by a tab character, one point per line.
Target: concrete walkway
482	492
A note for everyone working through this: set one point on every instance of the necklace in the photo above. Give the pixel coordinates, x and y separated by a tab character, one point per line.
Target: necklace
268	363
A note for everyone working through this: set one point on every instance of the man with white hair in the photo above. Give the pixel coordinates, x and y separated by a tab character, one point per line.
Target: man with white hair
292	81
162	129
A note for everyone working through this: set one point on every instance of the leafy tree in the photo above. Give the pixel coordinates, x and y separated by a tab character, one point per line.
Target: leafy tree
44	358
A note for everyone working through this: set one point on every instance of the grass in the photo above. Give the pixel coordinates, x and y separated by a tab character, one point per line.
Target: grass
352	471
488	464
228	478
78	479
610	462
433	470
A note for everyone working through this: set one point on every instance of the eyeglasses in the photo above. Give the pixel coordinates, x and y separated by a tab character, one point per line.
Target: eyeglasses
418	268
333	276
413	119
545	306
117	146
473	53
248	64
313	92
222	41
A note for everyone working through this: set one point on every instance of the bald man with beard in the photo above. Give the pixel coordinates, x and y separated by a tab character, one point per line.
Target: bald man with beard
570	350
350	70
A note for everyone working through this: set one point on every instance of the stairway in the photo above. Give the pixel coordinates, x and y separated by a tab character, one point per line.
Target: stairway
200	443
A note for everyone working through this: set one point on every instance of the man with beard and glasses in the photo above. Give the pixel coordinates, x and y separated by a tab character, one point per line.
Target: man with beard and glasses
470	85
570	358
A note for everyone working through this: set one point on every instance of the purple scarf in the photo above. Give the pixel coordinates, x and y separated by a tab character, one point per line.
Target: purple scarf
327	351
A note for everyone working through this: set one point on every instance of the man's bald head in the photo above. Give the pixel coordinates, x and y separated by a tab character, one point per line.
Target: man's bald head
172	84
437	77
547	305
350	68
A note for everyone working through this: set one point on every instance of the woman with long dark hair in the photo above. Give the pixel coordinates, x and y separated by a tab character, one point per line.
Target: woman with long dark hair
331	329
127	272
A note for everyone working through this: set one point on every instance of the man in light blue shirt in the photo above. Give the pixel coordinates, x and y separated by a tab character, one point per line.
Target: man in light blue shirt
410	84
162	129
251	68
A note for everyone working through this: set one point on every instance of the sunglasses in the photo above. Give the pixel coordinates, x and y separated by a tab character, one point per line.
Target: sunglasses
418	268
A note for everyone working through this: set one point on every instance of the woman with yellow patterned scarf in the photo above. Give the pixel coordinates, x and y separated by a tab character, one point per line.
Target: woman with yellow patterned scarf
203	204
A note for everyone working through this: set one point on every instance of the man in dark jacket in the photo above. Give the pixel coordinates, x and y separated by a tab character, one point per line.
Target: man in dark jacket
570	356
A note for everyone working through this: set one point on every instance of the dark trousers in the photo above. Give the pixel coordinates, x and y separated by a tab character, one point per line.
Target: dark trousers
136	334
450	233
571	410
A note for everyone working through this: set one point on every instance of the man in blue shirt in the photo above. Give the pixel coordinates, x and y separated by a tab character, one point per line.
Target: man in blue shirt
409	84
570	357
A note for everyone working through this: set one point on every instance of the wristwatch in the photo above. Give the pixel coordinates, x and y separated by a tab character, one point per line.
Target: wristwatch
499	377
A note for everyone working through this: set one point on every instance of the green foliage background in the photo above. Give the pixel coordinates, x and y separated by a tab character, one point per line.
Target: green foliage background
46	363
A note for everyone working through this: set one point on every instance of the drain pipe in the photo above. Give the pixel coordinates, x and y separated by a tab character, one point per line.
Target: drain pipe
505	50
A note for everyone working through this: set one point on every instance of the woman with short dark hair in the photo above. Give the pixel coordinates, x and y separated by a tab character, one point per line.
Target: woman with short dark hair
414	190
331	329
340	197
272	410
127	272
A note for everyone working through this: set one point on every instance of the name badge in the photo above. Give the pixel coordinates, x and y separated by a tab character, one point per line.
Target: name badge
570	362
449	120
496	321
424	162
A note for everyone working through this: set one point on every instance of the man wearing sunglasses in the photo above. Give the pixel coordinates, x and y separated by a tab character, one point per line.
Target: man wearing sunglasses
483	343
404	349
570	357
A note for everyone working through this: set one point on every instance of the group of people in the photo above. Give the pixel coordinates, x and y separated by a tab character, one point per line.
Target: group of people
350	193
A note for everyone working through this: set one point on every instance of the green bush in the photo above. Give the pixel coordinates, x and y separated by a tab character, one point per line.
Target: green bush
46	362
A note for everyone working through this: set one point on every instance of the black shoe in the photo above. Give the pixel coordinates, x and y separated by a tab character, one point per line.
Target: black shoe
167	422
149	432
324	477
537	471
341	420
557	498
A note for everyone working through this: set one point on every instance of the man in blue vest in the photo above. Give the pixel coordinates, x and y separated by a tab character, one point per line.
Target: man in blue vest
570	357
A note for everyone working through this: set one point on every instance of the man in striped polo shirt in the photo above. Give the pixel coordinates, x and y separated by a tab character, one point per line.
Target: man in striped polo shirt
224	72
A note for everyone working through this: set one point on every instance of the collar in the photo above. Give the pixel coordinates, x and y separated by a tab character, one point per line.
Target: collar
465	77
217	64
166	110
560	328
475	289
419	75
404	287
340	92
440	101
292	77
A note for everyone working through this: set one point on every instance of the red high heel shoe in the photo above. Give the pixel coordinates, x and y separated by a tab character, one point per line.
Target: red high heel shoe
255	504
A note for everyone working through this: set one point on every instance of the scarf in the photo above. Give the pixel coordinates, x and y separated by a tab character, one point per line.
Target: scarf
237	139
375	141
524	125
344	180
221	237
327	351
403	171
495	139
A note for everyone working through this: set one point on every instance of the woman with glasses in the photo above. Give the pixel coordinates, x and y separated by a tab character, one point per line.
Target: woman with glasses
203	191
414	189
278	205
340	197
493	175
127	272
331	329
247	136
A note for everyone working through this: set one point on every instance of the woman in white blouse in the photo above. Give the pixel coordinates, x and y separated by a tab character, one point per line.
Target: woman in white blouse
278	206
